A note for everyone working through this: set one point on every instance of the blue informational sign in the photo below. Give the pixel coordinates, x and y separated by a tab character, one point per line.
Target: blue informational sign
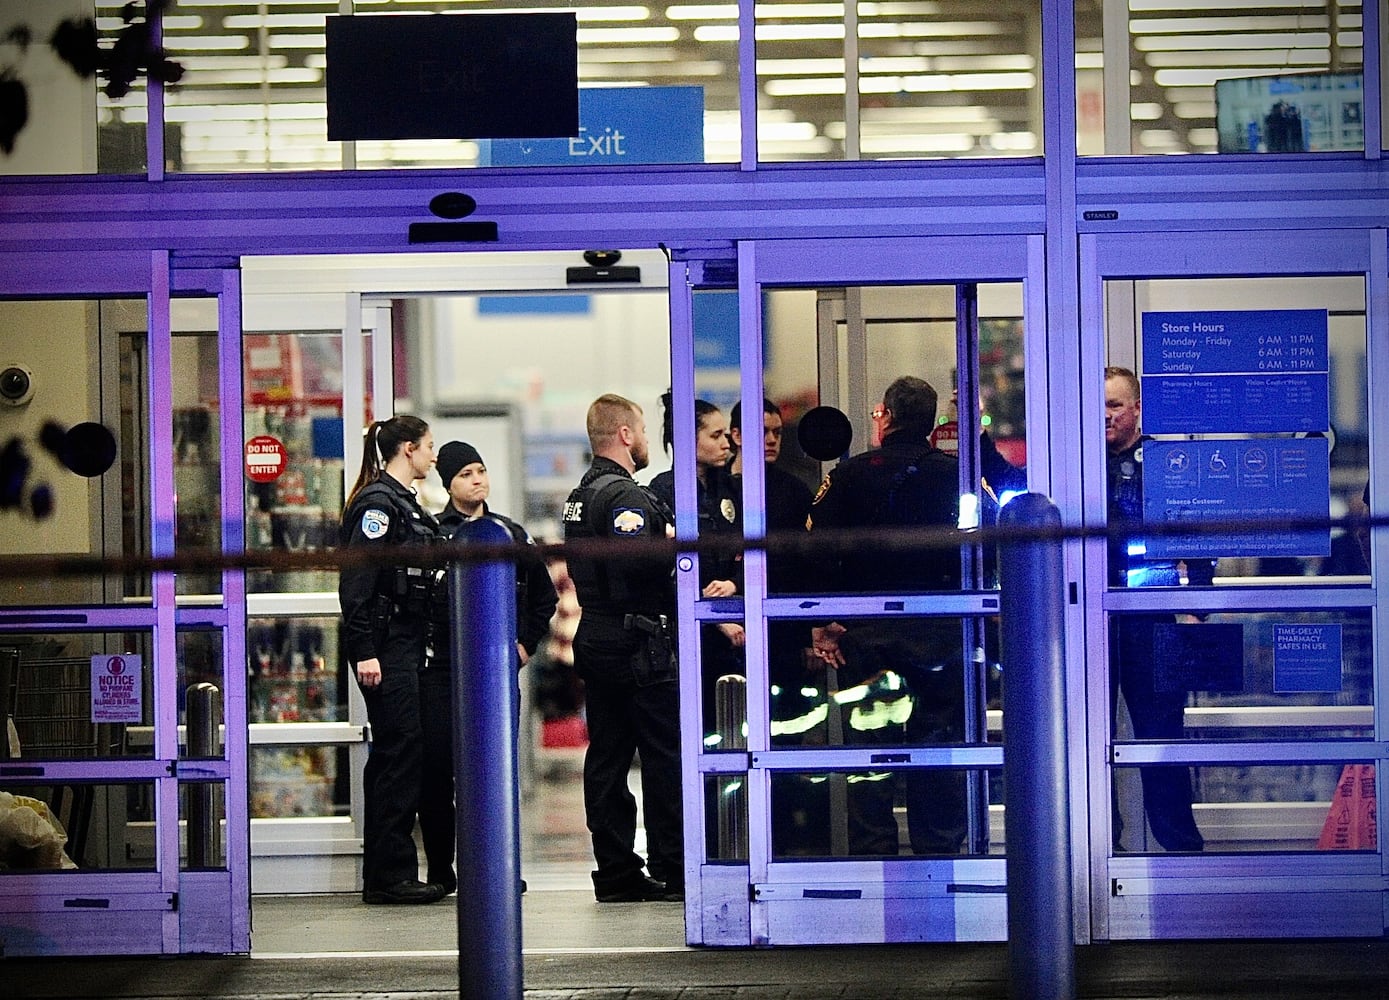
1237	482
617	125
1236	372
1236	404
1306	658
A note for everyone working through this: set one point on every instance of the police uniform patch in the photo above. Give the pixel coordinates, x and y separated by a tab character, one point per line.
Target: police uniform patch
628	521
375	523
727	509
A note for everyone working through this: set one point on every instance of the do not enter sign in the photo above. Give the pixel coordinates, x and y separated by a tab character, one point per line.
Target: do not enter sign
265	459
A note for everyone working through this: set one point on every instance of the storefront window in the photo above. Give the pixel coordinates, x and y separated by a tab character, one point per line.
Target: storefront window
1230	79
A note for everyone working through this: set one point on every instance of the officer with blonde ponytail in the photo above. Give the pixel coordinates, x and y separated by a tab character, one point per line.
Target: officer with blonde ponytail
385	615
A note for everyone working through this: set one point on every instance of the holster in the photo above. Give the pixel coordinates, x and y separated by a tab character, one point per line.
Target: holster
653	661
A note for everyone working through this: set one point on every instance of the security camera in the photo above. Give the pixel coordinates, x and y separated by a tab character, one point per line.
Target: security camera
16	385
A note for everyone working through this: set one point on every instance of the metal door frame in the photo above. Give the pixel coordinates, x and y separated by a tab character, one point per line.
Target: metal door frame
765	902
1238	895
167	910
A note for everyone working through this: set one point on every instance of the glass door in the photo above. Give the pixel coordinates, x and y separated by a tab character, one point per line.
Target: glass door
121	720
846	704
1228	386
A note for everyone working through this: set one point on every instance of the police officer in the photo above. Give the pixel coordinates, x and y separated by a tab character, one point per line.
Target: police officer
465	478
908	483
624	652
720	506
1154	714
385	614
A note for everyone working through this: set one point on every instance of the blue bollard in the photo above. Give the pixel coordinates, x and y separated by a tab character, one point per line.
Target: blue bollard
1041	938
482	599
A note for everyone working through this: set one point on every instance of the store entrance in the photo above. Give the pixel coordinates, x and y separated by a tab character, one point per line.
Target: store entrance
847	784
502	351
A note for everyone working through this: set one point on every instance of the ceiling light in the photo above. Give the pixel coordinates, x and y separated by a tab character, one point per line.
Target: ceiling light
1142	5
317	42
275	21
932	29
1194	109
1197	77
1272	40
1280	57
908	9
944	142
703	12
206	43
793	10
1173	25
1089	60
172	22
1146	111
621	36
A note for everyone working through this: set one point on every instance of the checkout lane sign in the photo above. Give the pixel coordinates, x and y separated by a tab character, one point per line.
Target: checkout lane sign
116	688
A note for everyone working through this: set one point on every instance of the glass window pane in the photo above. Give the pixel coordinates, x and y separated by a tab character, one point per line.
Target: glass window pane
85	492
197	441
295	672
1241	78
202	688
202	809
293	396
1262	421
1253	808
92	826
1245	676
299	781
53	701
852	814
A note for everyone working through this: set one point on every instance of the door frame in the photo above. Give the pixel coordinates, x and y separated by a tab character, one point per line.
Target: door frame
1237	895
766	902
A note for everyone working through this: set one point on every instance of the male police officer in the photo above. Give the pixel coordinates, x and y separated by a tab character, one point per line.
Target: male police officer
1155	714
912	669
625	654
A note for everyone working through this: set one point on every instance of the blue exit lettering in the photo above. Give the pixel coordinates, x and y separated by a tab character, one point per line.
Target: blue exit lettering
586	143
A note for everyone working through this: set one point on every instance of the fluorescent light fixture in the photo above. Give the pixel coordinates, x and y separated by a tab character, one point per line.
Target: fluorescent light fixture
275	21
198	64
1147	111
804	87
947	82
932	29
1089	60
1281	57
1272	40
628	54
964	114
703	12
315	41
1194	109
799	67
969	502
629	13
1196	77
798	10
911	8
208	43
251	77
1157	138
172	22
1156	5
1176	25
622	36
1203	137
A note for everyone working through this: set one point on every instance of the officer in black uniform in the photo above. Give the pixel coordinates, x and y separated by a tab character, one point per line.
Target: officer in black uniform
720	506
385	616
906	483
1154	714
465	478
624	651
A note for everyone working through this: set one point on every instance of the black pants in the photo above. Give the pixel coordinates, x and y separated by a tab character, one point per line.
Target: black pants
1156	715
926	656
391	778
626	718
438	816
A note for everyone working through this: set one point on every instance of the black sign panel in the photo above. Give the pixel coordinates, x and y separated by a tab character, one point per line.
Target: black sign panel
453	76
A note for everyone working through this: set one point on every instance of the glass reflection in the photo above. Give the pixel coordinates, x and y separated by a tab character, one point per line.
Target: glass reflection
855	814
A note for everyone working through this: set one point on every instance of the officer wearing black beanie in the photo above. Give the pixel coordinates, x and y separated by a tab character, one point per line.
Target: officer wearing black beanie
464	475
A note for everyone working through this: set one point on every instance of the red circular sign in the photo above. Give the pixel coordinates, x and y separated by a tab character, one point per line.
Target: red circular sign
265	459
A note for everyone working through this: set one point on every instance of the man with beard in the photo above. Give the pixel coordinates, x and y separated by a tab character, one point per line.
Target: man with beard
625	652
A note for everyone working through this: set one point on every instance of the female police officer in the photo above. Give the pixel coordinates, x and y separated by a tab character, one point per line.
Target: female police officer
385	613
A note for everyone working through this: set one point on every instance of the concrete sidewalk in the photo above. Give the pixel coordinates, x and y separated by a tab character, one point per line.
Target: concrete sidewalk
1259	970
